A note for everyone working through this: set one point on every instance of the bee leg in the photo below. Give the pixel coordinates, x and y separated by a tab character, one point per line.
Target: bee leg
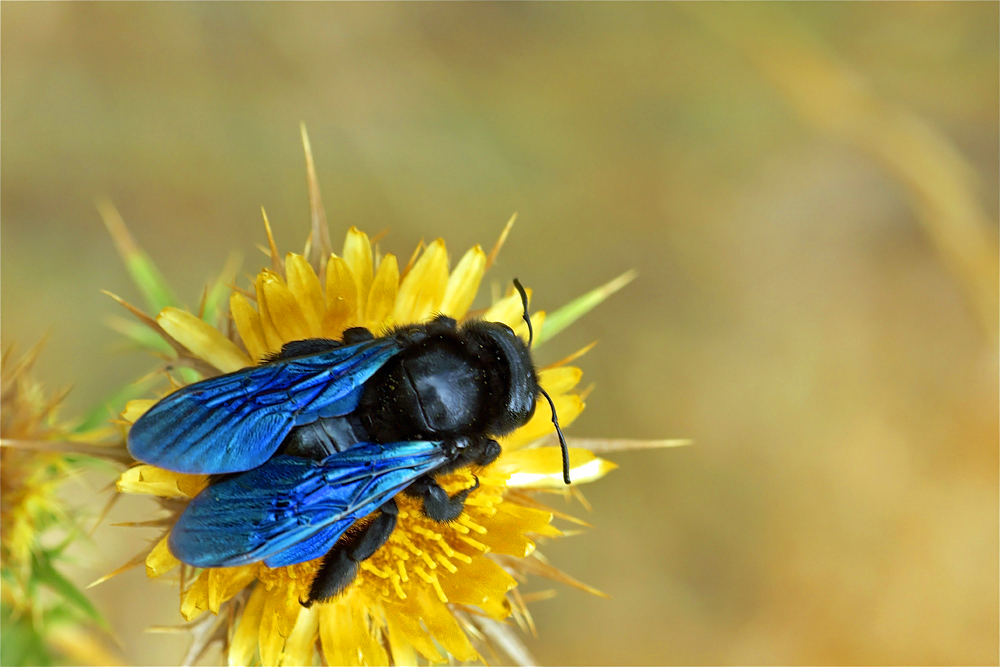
441	323
438	505
356	335
488	452
340	565
301	348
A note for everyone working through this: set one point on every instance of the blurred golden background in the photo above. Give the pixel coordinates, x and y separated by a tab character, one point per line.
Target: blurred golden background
808	192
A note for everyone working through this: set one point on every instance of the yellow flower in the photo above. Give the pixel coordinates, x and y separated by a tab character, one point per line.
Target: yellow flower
435	591
38	453
428	571
28	478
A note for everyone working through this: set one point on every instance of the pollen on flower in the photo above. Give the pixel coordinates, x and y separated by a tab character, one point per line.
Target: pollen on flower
428	549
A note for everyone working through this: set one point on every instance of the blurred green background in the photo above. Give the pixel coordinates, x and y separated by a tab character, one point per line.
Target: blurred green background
808	192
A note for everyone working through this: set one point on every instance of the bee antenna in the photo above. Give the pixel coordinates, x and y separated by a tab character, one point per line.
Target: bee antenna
562	438
524	301
552	405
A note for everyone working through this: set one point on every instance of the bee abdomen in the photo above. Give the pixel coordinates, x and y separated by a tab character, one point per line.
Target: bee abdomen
322	438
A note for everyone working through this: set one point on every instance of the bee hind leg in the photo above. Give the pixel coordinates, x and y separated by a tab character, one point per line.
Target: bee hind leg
487	453
438	505
302	348
340	565
356	335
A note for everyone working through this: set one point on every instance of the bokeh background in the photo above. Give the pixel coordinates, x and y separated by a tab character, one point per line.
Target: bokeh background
808	192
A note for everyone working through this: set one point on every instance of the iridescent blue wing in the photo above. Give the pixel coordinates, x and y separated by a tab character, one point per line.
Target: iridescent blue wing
291	509
235	422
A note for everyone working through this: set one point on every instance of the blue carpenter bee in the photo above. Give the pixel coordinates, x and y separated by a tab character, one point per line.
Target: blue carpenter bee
326	432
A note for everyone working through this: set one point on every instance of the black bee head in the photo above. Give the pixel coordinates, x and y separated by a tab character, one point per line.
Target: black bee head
511	377
512	383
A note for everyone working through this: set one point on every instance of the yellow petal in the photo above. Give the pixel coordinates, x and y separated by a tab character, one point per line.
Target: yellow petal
508	310
336	632
195	599
358	255
382	296
442	626
345	636
403	621
304	286
249	326
280	314
192	485
541	467
370	647
509	525
244	644
150	480
463	284
281	611
400	648
568	407
137	408
341	298
204	340
299	648
225	582
559	380
160	560
422	289
482	583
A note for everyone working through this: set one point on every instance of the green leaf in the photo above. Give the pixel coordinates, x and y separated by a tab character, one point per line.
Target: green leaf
150	282
217	299
92	462
20	642
556	321
59	615
189	375
113	405
44	572
145	275
140	334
